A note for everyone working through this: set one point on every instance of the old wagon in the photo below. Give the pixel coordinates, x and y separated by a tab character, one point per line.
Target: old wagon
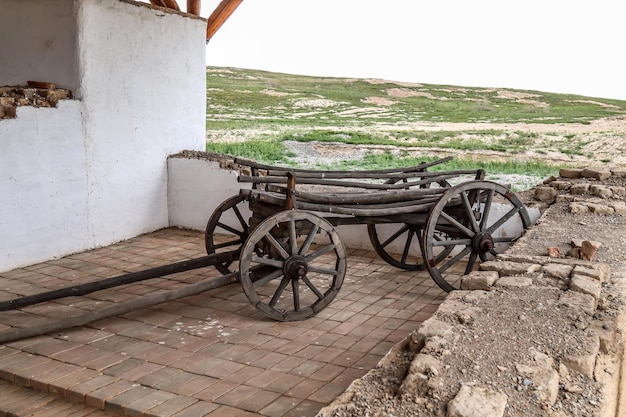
291	261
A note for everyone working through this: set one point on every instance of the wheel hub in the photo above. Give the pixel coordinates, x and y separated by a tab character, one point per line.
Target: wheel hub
482	242
295	267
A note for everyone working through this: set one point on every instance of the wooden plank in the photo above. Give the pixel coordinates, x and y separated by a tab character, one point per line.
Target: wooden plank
346	183
421	167
41	84
221	13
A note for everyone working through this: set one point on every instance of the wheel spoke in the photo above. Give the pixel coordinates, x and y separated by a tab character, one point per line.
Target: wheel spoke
275	244
244	224
407	246
451	242
267	261
321	270
279	291
487	211
395	235
505	239
470	263
483	257
267	278
292	237
319	252
227	244
469	212
295	286
229	228
503	220
313	288
454	260
309	239
456	224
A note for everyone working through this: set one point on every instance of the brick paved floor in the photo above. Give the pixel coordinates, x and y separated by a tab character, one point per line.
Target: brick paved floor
211	354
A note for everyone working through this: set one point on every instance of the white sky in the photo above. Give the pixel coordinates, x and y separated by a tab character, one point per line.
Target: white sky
550	45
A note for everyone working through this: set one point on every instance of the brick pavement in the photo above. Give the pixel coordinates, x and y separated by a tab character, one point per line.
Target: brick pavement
211	354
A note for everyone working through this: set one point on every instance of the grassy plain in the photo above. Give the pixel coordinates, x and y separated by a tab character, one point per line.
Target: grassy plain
260	115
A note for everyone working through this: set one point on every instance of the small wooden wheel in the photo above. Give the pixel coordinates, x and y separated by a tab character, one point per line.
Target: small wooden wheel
481	219
292	265
228	218
405	236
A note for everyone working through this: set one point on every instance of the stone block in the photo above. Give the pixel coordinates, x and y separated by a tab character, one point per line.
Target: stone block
546	194
578	208
545	381
510	268
599	271
601	191
422	368
479	280
434	327
619	172
586	362
570	172
521	258
607	338
596	174
514	282
578	301
559	271
561	185
582	188
619	207
474	401
600	209
586	285
618	191
564	198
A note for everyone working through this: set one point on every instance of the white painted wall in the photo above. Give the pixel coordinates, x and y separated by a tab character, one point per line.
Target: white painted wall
43	184
93	171
143	86
196	187
38	42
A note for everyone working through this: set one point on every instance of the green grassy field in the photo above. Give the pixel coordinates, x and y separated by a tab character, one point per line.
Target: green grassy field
254	113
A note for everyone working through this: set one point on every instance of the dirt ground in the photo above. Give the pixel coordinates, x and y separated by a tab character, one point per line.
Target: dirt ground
513	327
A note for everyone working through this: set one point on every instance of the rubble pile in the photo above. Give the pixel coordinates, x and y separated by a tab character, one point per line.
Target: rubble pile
12	97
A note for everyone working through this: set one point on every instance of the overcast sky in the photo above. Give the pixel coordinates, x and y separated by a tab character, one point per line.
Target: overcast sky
549	45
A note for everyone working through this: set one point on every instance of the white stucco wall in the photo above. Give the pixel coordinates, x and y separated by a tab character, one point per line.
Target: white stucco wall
195	188
43	183
93	171
38	42
143	86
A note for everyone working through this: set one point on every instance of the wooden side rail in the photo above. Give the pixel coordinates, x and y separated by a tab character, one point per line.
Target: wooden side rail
417	168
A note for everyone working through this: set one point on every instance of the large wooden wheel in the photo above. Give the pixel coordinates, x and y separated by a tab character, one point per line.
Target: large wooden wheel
292	265
229	218
481	219
388	238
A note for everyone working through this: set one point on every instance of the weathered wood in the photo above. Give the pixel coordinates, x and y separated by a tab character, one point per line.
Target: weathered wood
193	7
171	4
41	84
345	183
221	13
416	168
55	325
116	281
368	197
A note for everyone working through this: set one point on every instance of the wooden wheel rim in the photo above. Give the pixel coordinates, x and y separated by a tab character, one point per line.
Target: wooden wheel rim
300	255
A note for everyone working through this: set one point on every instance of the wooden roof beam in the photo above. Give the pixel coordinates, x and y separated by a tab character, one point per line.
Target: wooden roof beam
221	13
170	4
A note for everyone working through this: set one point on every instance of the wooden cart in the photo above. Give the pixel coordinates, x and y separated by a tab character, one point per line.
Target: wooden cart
291	260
